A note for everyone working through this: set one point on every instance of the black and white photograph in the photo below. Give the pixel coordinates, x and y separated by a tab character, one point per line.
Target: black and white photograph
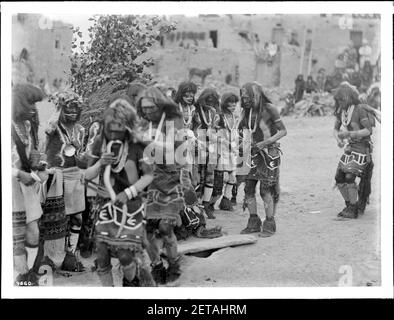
197	150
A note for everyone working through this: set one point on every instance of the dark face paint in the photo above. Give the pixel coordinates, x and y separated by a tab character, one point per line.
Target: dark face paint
70	112
246	100
210	103
342	102
188	98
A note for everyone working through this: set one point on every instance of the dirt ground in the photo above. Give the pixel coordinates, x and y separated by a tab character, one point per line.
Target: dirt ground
310	248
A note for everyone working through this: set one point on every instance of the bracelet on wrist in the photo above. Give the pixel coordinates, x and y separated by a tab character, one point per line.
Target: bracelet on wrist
133	191
128	193
35	177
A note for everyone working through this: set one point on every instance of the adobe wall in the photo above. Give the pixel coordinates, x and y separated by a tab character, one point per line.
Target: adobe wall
233	56
327	37
38	37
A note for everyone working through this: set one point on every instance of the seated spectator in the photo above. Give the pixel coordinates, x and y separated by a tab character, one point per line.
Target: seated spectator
310	85
315	108
328	86
299	88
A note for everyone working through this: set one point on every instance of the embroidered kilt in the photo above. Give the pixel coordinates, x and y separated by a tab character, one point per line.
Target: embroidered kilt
165	196
121	229
265	166
354	162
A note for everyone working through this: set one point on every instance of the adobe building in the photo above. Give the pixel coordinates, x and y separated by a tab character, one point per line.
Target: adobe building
40	50
266	48
231	49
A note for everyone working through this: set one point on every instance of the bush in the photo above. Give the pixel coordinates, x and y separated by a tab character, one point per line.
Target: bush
108	63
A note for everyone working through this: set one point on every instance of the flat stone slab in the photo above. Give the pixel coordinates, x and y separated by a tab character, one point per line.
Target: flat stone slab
198	245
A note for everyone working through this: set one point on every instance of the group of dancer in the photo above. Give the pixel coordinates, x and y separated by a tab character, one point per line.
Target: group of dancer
149	171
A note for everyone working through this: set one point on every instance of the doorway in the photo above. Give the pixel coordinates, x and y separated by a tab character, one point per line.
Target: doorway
213	34
357	38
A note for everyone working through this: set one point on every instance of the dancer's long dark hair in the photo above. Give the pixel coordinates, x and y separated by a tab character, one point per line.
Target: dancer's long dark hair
160	100
260	100
184	87
24	97
202	100
348	92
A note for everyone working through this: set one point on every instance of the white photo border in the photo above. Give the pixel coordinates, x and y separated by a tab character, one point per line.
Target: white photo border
385	9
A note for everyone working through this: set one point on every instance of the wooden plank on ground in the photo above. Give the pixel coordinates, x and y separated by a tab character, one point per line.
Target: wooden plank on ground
199	245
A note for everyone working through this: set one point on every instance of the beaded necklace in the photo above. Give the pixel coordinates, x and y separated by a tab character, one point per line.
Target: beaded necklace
188	121
250	122
234	126
346	116
122	156
205	119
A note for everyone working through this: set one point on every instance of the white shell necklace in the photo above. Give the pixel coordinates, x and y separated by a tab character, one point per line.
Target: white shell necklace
250	122
234	126
188	120
121	158
346	116
122	155
205	119
66	137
